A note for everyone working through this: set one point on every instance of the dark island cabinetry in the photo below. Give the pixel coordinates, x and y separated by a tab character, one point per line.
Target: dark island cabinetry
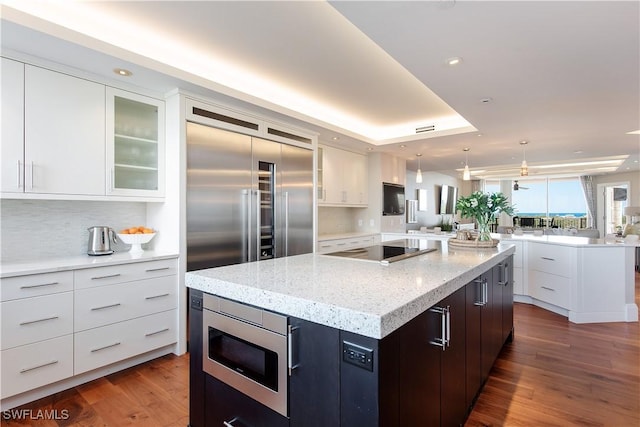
427	372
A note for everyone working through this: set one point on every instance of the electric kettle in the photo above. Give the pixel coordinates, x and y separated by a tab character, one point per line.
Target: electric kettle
100	238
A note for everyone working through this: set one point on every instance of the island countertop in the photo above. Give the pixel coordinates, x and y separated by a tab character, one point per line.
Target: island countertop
362	297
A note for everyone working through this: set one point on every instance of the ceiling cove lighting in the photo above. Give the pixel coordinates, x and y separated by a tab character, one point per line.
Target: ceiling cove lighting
419	172
466	175
524	168
122	72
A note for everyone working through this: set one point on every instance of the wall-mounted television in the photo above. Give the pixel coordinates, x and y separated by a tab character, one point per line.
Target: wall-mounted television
392	199
448	198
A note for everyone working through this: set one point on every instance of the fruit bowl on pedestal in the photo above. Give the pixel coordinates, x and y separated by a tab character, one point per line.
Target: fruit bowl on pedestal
136	240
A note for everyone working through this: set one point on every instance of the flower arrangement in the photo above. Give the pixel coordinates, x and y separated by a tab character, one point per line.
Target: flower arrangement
483	208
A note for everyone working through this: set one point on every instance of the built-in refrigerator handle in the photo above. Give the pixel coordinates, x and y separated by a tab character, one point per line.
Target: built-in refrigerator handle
258	225
246	231
286	223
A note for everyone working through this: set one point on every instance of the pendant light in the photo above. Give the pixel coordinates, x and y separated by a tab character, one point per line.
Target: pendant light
419	172
466	175
524	168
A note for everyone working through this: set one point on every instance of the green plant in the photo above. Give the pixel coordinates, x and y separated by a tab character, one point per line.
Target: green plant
484	207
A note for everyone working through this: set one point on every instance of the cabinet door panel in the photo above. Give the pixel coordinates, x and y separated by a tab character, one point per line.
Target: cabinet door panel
64	134
318	351
453	408
12	148
419	371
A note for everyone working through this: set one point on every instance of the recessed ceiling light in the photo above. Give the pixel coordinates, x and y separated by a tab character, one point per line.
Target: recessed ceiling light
403	146
453	61
480	134
578	152
122	72
370	149
336	138
486	100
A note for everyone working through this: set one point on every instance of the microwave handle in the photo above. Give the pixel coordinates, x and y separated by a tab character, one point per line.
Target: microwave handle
291	365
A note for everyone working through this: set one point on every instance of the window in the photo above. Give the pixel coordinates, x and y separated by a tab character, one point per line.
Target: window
552	202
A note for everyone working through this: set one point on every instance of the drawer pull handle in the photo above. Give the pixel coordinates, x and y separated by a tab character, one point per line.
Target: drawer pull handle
151	270
230	422
548	289
105	306
38	286
105	347
547	258
156	332
156	296
29	322
105	277
53	362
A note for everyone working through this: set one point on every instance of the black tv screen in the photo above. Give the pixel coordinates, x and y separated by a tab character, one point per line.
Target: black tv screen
392	199
448	197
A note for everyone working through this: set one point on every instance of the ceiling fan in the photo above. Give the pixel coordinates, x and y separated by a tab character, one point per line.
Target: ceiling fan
517	186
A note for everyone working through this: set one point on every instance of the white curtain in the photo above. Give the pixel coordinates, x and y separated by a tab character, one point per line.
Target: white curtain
590	197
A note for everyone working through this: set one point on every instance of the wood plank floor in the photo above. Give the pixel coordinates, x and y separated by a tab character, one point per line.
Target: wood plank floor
555	373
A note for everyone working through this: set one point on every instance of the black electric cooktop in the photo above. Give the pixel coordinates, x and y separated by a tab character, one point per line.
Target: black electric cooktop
387	252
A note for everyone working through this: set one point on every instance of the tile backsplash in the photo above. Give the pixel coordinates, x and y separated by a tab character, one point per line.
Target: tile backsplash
33	229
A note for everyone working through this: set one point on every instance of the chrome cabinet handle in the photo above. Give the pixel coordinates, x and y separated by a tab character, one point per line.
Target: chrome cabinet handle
105	347
38	285
290	364
442	340
106	306
19	175
230	422
150	334
29	322
53	362
548	289
31	183
151	270
105	277
547	258
156	296
479	290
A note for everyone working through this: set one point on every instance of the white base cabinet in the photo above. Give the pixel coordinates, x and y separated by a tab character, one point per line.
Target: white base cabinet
62	325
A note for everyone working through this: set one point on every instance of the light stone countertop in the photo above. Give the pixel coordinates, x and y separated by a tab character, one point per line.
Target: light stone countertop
78	262
359	296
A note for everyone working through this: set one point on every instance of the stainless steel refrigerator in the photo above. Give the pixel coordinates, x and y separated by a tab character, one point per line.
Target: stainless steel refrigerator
248	198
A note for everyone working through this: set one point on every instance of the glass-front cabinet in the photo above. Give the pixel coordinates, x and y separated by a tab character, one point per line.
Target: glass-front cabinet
135	144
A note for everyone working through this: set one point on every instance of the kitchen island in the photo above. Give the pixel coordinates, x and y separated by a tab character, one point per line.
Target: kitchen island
368	344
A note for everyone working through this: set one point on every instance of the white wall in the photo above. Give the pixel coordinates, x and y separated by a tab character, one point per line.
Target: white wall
33	229
634	183
431	181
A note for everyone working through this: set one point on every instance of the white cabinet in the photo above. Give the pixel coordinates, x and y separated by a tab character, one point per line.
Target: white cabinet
393	169
135	144
342	244
552	273
64	125
12	147
342	178
36	321
60	324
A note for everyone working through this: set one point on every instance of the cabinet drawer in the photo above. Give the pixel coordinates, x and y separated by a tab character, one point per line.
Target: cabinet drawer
550	288
552	259
109	344
33	285
28	320
114	303
34	365
109	275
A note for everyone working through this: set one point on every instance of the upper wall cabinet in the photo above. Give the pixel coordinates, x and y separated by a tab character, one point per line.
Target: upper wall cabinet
135	144
393	169
342	178
12	148
64	124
